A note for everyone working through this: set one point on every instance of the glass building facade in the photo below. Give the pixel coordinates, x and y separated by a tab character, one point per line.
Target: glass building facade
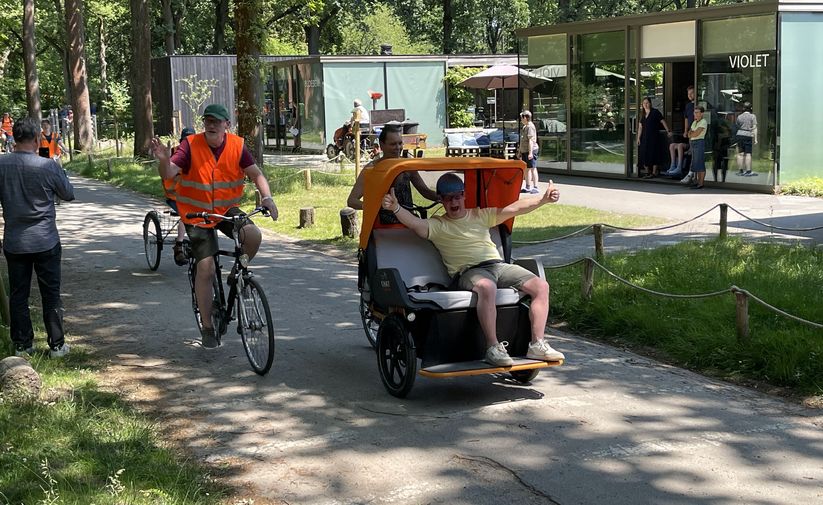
763	58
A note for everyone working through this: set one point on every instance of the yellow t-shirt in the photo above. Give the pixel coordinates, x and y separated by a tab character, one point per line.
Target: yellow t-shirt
464	242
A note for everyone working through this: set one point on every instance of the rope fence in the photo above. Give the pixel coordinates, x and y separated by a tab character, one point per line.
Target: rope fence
742	296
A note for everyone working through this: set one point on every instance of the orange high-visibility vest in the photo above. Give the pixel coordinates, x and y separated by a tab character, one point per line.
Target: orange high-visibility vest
211	185
7	125
54	149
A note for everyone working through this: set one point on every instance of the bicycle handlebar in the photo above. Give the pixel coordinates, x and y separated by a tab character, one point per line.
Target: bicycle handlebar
206	215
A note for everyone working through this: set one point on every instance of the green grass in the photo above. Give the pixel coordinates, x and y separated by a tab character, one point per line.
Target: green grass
79	444
328	195
811	186
701	334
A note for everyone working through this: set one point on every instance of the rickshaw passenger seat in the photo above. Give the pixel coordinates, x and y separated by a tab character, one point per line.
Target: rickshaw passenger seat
422	269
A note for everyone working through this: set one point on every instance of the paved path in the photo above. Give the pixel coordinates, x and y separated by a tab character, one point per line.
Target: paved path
607	427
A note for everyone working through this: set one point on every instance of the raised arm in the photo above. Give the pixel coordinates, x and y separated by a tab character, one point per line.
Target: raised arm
419	226
165	168
526	205
421	186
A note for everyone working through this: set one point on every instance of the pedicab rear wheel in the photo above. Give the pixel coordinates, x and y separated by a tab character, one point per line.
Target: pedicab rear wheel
396	356
524	376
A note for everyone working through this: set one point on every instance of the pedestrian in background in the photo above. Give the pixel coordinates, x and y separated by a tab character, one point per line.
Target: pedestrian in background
528	150
28	187
746	136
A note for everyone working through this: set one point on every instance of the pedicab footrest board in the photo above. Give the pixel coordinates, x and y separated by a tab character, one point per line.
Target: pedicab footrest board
479	367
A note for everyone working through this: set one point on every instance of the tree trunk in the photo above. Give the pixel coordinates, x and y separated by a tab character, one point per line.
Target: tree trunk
75	41
104	65
313	39
141	76
249	40
168	27
178	15
5	52
221	15
30	62
448	23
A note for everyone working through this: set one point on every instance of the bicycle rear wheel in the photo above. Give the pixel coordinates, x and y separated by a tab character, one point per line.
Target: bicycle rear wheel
152	239
255	325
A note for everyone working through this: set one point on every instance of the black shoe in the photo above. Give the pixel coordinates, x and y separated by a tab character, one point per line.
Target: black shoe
208	338
180	257
697	186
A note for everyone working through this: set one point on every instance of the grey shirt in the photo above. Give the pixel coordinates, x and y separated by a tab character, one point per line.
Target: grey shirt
746	124
28	185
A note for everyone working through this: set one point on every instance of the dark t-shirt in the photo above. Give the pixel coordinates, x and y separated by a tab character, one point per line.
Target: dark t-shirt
690	113
182	156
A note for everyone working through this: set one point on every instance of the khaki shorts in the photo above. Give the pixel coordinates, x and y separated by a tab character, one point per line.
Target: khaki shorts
204	240
505	275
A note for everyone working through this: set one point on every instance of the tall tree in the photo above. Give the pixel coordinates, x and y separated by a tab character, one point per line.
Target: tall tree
221	18
249	39
75	40
141	76
30	62
168	27
448	26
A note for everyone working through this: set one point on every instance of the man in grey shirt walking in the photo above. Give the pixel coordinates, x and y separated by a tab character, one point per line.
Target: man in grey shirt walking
28	187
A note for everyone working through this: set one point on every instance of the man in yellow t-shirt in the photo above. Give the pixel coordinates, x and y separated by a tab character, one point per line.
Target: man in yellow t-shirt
463	240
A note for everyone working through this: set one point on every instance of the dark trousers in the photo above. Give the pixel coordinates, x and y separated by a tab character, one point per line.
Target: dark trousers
46	265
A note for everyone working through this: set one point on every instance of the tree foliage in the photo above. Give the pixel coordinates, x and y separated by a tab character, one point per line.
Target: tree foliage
290	27
460	98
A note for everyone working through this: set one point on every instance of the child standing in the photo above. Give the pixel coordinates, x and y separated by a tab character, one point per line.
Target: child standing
697	136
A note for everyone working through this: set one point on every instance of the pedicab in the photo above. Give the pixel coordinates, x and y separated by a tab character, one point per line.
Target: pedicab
411	315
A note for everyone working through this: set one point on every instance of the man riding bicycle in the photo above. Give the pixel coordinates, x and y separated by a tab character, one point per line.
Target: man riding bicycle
212	167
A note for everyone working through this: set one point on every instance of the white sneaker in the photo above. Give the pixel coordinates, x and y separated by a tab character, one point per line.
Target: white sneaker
543	351
497	355
687	179
59	352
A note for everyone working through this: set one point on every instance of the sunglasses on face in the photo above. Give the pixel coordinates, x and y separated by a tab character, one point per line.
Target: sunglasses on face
452	196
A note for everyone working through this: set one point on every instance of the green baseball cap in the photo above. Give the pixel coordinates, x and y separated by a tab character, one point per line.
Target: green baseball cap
218	111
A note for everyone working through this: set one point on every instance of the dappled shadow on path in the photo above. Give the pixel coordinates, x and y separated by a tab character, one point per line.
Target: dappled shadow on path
607	427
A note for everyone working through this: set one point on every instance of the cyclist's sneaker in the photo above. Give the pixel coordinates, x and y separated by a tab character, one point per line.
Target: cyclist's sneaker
543	351
59	352
208	338
180	254
22	351
497	355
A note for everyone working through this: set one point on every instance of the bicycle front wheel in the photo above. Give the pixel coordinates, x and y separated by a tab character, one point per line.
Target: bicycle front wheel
152	239
255	325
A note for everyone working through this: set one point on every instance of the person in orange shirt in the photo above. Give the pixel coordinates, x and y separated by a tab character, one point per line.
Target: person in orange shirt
6	131
212	167
169	186
51	144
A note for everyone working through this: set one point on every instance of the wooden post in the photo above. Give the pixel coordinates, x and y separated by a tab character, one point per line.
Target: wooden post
587	284
91	161
742	318
306	217
307	173
724	215
108	167
348	222
598	240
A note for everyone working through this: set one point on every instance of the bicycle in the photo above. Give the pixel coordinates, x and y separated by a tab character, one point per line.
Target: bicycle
246	301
